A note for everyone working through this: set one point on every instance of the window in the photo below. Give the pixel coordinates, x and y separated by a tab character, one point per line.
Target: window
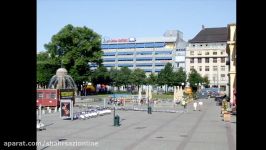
199	60
53	95
214	60
207	53
125	59
199	52
207	60
192	60
200	68
222	77
222	68
163	58
144	59
214	77
125	53
214	68
214	53
222	53
39	95
109	54
207	68
144	65
160	64
223	60
140	45
223	88
109	59
144	53
191	52
163	52
191	67
125	65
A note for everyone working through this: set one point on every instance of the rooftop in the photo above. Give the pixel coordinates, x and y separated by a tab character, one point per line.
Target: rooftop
210	35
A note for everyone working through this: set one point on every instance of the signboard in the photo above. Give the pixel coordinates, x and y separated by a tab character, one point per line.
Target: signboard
67	94
66	109
119	40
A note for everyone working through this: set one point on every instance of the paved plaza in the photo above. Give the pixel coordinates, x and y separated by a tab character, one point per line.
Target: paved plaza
192	130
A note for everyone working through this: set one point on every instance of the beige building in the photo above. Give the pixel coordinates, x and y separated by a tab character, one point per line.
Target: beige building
206	53
231	51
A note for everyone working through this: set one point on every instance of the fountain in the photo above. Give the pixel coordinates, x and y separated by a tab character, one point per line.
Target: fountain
61	80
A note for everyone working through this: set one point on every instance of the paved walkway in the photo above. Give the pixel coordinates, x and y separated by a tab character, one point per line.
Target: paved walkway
192	130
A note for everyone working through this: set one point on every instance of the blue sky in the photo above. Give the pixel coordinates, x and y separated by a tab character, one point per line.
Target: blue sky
132	18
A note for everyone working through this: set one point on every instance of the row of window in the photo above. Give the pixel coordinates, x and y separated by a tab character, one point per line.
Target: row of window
207	60
133	45
207	68
137	59
138	53
206	53
137	65
208	45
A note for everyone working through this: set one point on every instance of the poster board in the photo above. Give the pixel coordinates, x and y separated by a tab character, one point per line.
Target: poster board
66	109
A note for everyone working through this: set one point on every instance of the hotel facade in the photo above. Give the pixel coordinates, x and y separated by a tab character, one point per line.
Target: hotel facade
149	54
206	53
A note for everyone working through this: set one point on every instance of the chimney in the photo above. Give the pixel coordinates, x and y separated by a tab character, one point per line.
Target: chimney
202	26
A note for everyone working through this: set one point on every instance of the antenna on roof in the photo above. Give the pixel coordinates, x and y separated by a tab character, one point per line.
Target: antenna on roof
202	26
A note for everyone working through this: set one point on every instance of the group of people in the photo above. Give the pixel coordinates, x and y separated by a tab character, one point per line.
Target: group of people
196	105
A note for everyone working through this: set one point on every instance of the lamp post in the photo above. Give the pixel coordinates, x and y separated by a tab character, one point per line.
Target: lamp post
148	98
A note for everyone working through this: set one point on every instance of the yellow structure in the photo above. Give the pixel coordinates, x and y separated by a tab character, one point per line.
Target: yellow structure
231	51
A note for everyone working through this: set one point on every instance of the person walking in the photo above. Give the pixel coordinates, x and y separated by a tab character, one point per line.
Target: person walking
195	104
184	104
200	105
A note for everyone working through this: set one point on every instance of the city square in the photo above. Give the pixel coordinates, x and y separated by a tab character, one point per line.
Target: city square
192	130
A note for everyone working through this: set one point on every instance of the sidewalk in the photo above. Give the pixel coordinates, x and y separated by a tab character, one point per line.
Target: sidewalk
192	130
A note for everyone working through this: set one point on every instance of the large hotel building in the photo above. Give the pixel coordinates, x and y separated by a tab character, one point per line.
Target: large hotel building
149	54
206	53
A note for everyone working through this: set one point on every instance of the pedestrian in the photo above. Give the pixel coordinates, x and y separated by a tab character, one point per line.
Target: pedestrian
184	103
195	105
200	105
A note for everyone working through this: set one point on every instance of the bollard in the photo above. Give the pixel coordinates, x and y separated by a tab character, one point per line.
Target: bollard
49	110
117	121
43	111
55	109
149	110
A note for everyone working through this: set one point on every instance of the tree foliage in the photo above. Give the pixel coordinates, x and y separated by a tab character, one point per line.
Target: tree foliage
179	77
101	76
165	76
152	79
194	78
138	77
75	47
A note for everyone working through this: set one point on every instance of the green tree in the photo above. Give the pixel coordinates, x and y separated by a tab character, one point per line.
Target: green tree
101	76
179	77
165	77
115	77
46	68
124	76
138	77
194	78
152	79
206	81
45	71
75	47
